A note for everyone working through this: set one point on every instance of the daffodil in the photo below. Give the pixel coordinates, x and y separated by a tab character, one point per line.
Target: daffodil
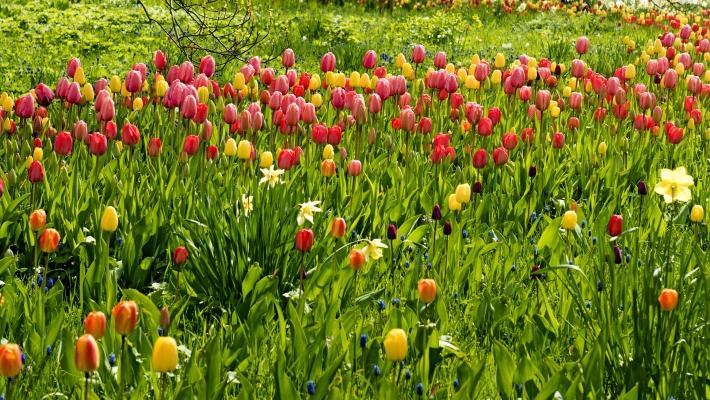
247	204
306	212
674	185
271	176
373	249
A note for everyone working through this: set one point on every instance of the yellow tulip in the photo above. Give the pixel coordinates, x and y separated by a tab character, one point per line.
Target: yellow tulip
569	220
471	82
230	148
697	213
203	94
354	79
8	103
602	148
239	81
37	154
314	83
109	220
137	104
566	91
161	87
395	345
244	150
115	84
328	152
88	92
29	162
79	76
496	77
165	355
399	60
475	59
453	204
317	99
630	71
499	61
463	193
266	159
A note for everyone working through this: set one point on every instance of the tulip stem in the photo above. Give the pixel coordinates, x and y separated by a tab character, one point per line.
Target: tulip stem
163	380
10	387
86	386
122	367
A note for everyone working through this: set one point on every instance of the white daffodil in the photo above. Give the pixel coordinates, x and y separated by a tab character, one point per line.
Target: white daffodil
271	176
247	204
373	249
306	212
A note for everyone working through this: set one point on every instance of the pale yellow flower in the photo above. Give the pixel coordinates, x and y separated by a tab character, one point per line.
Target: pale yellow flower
675	185
373	249
271	176
247	204
306	212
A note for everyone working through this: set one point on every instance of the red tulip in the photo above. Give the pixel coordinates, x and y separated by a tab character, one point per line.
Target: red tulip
63	143
500	156
44	94
327	62
180	255
130	136
72	65
191	145
35	173
354	168
154	147
440	59
485	126
616	222
98	144
558	140
418	54
134	81
510	141
480	159
304	240
335	134
159	60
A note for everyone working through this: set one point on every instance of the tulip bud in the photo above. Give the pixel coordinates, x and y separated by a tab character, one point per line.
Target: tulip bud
356	259
125	316
427	290
391	232
10	360
109	220
569	220
354	168
49	240
615	225
165	355
95	324
668	299
641	188
180	255
337	228
395	344
697	213
304	240
436	212
38	219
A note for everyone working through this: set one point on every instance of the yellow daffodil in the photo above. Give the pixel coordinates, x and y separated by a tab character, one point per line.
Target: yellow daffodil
373	249
306	211
247	204
674	185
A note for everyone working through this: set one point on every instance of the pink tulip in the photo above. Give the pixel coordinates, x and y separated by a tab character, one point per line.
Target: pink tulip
308	113
575	101
159	60
281	84
72	65
369	59
73	93
670	78
134	80
418	54
293	114
383	89
518	77
188	108
440	59
81	131
62	87
481	72
44	94
473	112
255	62
288	58
108	110
354	168
358	109
407	119
374	103
327	62
338	98
578	68
230	114
25	106
685	32
542	100
207	66
582	45
186	72
525	93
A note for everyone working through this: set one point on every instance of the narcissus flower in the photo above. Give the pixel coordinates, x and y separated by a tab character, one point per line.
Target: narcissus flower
95	324
86	354
49	240
427	290
125	317
674	185
10	360
109	220
569	220
395	345
373	249
271	176
165	355
306	211
668	299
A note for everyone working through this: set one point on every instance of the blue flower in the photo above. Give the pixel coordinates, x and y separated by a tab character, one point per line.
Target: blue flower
406	264
600	286
160	331
395	301
363	340
376	370
428	265
594	240
407	375
464	233
119	240
24	358
512	268
381	304
311	387
40	279
426	255
420	389
49	350
533	217
456	384
403	238
50	282
112	359
583	224
588	304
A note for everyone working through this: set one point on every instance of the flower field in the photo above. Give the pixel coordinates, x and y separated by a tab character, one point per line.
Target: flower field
394	223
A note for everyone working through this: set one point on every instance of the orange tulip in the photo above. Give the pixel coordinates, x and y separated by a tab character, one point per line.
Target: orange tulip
125	316
337	228
668	299
427	290
38	219
357	259
10	360
95	324
86	354
49	240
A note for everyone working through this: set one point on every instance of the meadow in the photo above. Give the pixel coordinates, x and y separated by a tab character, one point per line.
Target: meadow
445	201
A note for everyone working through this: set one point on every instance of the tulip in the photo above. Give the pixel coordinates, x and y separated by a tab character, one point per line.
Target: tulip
369	59
207	66
615	225
542	100
288	58
266	159
244	150
697	213
134	81
440	59
327	62
130	136
436	212
125	316
38	219
463	193
304	240
480	159
44	94
164	321
327	167
49	240
95	324
159	60
582	45
454	205
354	168
109	220
569	220
35	172
395	344
418	54
10	360
500	156
191	145
356	259
25	106
98	144
668	299
427	290
72	65
558	140
180	255
154	147
165	355
337	228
